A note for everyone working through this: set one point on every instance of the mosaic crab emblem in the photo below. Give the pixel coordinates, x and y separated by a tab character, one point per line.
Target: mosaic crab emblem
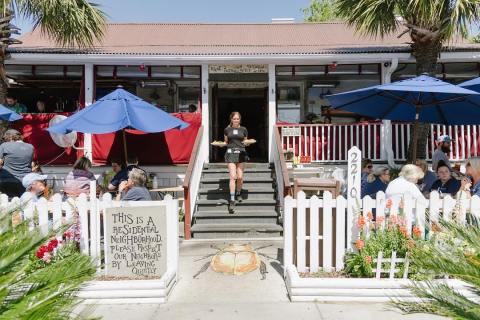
235	259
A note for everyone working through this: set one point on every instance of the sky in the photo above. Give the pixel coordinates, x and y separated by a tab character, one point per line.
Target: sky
196	11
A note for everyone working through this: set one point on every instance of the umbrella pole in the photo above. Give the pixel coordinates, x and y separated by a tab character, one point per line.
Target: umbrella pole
125	152
415	134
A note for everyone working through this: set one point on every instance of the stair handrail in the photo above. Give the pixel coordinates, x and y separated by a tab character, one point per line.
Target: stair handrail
281	171
192	181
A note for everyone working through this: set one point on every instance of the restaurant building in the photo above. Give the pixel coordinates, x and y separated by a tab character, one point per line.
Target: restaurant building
271	73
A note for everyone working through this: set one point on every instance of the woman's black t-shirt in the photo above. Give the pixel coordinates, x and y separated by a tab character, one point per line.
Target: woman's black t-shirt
235	137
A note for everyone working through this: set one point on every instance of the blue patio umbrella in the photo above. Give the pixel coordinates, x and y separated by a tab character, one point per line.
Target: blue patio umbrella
8	115
420	99
116	111
473	84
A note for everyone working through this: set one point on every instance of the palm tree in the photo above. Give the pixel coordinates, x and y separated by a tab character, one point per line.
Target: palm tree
454	251
30	289
430	24
73	23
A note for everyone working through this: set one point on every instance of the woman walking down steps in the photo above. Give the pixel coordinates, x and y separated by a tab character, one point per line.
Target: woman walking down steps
235	136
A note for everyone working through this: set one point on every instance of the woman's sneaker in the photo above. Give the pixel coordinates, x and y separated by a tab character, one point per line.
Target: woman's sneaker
231	206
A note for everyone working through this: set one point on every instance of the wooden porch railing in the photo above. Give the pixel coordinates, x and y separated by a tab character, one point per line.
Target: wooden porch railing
281	171
331	142
187	187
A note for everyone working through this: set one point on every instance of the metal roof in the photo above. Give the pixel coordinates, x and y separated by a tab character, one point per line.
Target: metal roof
193	39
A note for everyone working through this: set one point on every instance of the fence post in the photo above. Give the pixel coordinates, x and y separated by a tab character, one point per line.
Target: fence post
56	211
315	204
353	192
341	205
81	205
393	261
42	211
301	230
327	231
378	272
288	232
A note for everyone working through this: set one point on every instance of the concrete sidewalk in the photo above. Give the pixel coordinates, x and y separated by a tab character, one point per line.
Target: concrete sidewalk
215	296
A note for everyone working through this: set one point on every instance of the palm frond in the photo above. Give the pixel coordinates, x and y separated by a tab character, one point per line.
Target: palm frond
72	23
370	17
455	252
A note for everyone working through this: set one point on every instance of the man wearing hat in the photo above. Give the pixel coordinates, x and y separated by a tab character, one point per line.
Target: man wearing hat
35	187
442	151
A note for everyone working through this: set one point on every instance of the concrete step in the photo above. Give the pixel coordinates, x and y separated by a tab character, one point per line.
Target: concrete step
225	169
246	175
240	216
240	230
248	194
249	165
250	204
248	182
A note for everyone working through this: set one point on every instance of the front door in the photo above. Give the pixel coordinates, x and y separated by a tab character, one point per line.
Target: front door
253	106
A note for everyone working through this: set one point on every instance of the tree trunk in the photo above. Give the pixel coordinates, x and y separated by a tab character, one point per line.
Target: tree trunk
3	83
426	55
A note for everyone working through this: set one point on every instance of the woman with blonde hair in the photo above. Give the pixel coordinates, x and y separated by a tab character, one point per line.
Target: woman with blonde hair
471	184
377	181
406	184
235	157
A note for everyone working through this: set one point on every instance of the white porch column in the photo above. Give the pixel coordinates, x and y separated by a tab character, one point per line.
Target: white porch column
89	85
272	109
205	112
386	131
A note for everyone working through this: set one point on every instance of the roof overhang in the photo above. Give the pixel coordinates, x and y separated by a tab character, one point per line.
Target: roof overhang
286	59
111	59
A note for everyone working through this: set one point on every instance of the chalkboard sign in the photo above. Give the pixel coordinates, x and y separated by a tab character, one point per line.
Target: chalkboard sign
136	241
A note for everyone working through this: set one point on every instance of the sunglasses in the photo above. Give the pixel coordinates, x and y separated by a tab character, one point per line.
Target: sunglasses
369	166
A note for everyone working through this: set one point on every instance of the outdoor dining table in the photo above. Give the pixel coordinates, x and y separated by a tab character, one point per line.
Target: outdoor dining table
161	192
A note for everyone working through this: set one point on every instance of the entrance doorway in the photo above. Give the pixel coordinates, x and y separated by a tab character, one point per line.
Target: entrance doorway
253	106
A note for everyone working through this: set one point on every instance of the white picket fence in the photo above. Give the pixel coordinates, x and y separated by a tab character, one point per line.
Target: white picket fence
319	231
52	214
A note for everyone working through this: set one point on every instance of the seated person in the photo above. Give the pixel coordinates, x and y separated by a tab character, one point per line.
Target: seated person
445	184
134	188
41	107
428	179
122	175
367	167
405	184
78	180
35	186
376	181
109	174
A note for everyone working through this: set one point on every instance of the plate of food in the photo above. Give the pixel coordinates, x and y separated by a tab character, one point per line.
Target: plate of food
219	143
248	142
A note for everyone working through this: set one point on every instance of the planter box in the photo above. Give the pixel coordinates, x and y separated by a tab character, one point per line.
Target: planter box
354	289
129	291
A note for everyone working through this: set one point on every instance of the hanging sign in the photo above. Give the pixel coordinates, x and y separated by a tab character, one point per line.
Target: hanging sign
238	68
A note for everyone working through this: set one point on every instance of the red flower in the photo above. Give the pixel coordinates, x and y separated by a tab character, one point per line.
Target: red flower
359	244
368	259
53	242
41	251
417	232
68	234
